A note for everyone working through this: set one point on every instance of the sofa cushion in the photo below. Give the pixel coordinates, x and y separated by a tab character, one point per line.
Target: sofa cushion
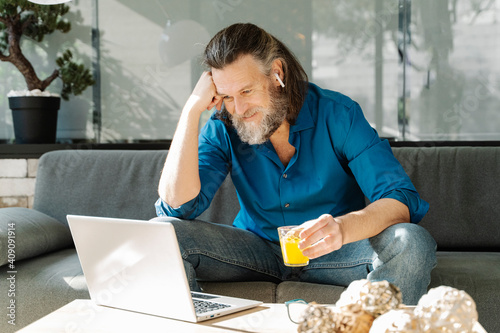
26	233
256	290
44	284
311	292
478	274
461	185
269	292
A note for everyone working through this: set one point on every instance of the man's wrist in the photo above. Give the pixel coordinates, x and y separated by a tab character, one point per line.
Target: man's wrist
194	105
342	230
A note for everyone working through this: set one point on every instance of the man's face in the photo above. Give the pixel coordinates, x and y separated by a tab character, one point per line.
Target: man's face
256	105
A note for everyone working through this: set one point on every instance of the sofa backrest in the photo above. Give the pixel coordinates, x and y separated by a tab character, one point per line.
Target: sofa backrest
224	206
462	186
111	183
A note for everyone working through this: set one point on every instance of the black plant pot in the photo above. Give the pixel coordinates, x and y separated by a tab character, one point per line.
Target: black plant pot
35	118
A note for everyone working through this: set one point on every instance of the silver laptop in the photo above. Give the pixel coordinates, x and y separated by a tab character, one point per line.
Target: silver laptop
136	265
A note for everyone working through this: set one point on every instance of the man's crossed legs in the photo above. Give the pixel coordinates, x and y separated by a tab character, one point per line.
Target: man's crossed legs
403	254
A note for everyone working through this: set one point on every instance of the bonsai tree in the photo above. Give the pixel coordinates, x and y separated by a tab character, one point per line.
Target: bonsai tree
20	18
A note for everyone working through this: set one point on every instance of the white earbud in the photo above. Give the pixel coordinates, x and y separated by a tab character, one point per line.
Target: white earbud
279	80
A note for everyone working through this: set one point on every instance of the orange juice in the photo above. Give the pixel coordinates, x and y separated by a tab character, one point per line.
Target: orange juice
289	240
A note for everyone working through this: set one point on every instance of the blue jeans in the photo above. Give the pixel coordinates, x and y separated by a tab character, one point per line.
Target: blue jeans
403	254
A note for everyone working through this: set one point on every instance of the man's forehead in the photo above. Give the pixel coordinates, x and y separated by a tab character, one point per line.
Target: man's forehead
222	90
229	83
240	75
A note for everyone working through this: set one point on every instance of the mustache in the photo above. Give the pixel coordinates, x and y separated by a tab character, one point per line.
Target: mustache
248	113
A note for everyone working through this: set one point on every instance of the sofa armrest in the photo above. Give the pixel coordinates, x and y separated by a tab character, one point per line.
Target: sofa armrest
26	233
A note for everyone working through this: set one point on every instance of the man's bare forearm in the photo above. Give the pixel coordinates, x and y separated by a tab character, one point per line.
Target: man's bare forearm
374	219
180	179
326	233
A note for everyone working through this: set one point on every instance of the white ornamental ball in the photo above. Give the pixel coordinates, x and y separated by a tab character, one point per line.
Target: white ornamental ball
397	321
376	298
447	310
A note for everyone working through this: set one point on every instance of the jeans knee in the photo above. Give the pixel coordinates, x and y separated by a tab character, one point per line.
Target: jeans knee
406	255
184	229
419	240
414	235
406	240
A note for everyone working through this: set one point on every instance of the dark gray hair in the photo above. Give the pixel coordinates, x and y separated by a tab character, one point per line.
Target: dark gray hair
248	39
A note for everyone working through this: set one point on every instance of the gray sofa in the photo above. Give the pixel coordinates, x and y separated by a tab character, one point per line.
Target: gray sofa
462	185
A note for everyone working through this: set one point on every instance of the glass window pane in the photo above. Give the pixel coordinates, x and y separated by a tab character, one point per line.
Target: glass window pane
355	52
421	70
150	55
454	70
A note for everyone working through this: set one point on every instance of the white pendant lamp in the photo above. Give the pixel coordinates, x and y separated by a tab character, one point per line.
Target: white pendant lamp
49	2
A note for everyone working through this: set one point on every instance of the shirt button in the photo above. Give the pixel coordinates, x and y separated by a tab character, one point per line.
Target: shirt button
285	175
287	205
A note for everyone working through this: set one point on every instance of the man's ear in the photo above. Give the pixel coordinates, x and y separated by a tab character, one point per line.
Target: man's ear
279	80
277	69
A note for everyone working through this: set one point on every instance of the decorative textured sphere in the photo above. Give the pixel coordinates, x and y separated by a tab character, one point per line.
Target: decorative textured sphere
376	298
397	321
349	319
446	310
317	319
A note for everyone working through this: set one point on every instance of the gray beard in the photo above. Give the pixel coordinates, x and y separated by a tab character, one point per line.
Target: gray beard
272	119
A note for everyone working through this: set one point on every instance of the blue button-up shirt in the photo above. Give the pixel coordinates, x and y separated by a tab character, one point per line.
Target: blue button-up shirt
339	159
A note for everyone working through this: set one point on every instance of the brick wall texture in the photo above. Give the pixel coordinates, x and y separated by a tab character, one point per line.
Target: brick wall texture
17	182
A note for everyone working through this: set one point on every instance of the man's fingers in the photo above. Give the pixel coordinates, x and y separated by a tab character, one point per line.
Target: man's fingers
205	90
314	231
324	246
310	227
219	103
216	100
320	237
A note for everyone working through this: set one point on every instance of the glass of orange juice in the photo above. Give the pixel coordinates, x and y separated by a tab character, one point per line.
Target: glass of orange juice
289	240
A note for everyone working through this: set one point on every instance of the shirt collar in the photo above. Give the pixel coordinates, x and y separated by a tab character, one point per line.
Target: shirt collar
304	120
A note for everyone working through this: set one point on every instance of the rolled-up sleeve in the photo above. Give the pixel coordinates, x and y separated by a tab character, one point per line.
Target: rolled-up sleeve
378	173
186	211
418	207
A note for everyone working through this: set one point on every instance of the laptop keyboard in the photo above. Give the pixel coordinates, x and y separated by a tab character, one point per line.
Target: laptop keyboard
202	296
202	306
206	306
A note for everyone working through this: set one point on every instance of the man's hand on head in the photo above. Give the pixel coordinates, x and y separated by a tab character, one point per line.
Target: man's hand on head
321	236
204	95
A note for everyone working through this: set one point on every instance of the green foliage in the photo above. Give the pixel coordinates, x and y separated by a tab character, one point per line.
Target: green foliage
22	18
76	78
37	20
4	38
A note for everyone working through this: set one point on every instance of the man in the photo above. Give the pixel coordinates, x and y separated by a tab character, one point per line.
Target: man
297	154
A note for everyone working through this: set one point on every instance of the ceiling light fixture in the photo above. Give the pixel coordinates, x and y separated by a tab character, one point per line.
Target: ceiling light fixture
49	2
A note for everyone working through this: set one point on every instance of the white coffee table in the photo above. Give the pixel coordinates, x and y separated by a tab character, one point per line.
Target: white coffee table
81	316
